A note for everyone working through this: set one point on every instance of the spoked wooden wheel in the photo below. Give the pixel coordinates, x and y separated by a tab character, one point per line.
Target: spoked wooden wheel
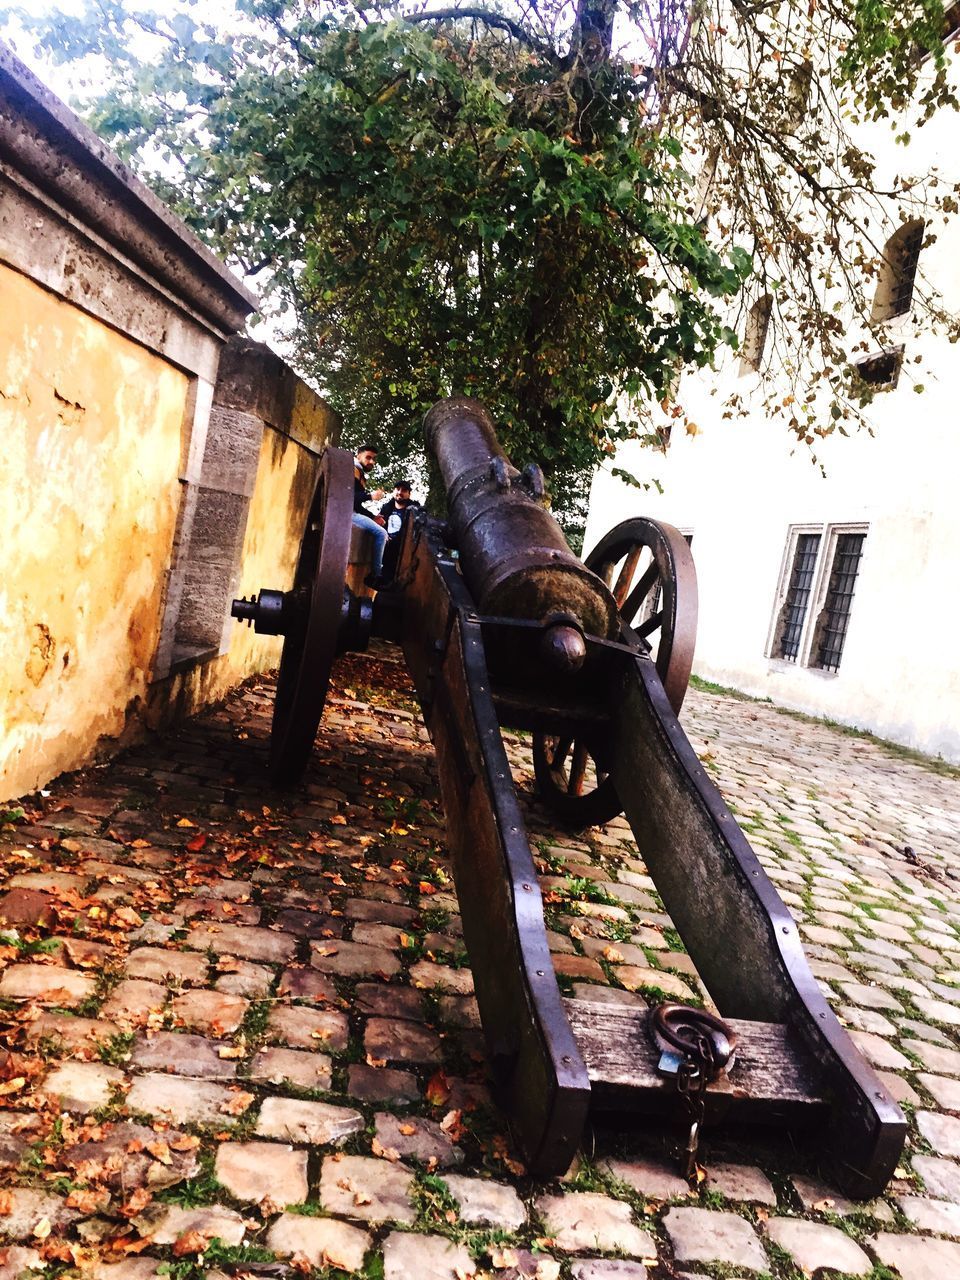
648	567
311	630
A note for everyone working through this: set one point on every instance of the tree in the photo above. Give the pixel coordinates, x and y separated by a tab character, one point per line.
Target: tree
554	207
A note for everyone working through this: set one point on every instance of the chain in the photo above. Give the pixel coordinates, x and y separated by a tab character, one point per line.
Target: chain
698	1047
695	1071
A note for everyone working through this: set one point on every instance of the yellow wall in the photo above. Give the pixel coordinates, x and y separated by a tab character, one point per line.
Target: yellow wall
90	425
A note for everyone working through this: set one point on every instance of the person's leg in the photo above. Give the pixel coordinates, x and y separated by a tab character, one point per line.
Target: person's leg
360	521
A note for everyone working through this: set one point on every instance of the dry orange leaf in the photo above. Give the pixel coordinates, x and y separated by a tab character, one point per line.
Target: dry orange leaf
136	1202
185	822
237	1103
387	1153
160	1151
190	1242
186	1142
438	1089
88	1201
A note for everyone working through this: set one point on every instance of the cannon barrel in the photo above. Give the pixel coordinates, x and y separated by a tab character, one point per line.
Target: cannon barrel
513	554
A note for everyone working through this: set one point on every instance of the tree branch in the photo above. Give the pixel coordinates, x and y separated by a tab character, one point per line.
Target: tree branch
489	19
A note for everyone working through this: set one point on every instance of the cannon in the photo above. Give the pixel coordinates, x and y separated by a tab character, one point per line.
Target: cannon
501	625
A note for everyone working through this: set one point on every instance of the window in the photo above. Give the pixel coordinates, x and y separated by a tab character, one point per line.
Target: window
796	94
898	272
755	334
832	628
705	181
794	612
882	370
949	29
814	600
652	603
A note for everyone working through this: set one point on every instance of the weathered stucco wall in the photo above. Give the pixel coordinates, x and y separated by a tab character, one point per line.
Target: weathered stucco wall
154	463
91	425
285	475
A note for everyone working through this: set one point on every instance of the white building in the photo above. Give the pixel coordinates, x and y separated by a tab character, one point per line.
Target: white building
840	595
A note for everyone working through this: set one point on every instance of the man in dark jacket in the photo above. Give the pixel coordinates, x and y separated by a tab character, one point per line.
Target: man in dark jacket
395	514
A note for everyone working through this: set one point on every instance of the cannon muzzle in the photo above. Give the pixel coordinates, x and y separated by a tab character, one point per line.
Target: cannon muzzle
513	554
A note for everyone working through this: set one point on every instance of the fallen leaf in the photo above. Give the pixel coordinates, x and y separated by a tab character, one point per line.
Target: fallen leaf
186	1142
185	822
408	1129
126	915
160	1151
190	1242
14	1085
452	1125
500	1259
88	1200
388	1153
196	844
375	1062
438	1089
237	1103
42	1229
136	1202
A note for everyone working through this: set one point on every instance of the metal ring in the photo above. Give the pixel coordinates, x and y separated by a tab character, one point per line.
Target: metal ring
696	1034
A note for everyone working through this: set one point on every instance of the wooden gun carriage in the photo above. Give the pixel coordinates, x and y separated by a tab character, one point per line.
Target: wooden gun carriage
501	625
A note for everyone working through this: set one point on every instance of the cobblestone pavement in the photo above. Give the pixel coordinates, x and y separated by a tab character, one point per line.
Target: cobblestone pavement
242	1037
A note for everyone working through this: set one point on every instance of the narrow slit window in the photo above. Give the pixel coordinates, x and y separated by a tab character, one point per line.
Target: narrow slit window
755	334
794	612
836	612
898	272
881	370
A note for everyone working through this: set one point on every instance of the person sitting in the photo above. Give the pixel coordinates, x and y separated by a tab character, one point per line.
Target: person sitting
396	512
364	463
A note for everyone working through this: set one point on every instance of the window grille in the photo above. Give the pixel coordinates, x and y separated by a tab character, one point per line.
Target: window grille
836	616
898	272
755	334
798	596
657	597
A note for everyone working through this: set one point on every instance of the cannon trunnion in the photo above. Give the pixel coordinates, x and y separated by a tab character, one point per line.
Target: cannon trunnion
501	625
